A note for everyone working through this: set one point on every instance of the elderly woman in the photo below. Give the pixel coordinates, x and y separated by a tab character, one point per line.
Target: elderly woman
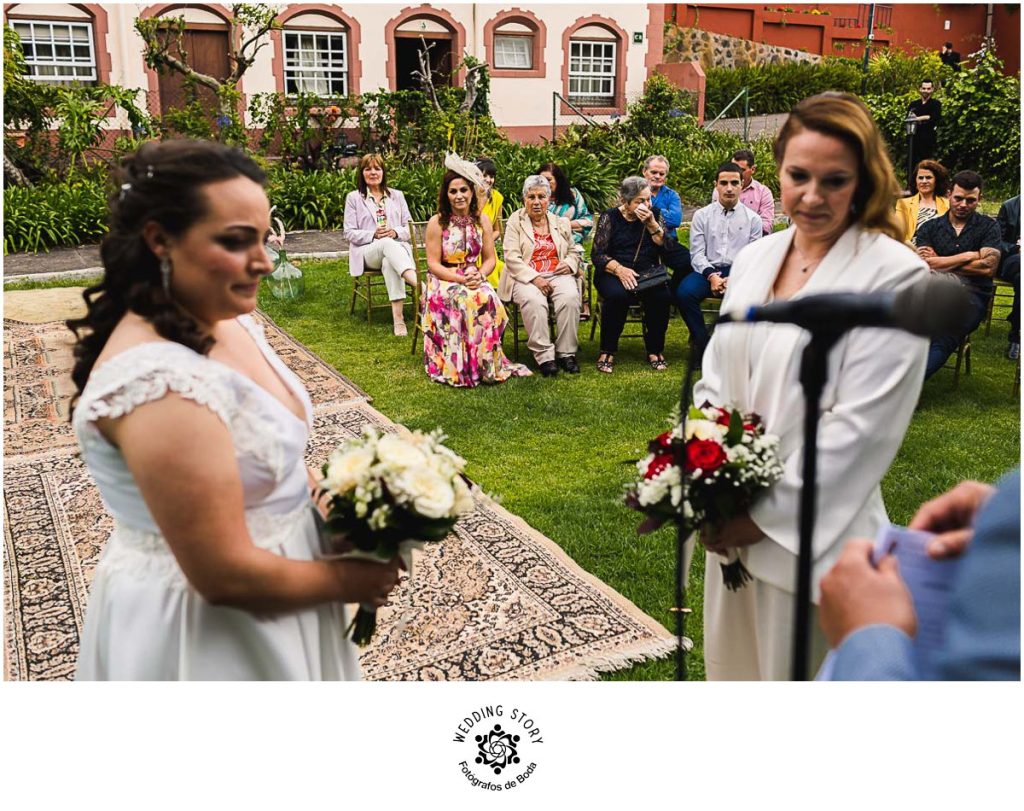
931	186
377	229
627	241
837	186
542	263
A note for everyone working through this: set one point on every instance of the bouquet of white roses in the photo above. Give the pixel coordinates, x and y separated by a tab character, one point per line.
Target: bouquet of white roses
388	494
727	461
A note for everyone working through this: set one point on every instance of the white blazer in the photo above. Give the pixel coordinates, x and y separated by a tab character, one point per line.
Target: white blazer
874	381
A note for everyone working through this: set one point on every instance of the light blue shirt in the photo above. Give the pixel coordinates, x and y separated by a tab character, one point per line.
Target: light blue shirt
717	234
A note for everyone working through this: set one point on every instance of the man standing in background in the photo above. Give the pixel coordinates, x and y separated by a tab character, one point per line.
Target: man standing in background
928	113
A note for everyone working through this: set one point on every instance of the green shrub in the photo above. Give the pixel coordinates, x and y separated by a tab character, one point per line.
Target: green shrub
308	201
776	88
42	217
981	123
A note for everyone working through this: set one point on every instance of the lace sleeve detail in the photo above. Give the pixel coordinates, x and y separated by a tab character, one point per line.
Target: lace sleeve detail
602	238
145	374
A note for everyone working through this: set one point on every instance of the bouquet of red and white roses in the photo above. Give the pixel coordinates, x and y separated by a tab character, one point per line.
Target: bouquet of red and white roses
388	494
728	460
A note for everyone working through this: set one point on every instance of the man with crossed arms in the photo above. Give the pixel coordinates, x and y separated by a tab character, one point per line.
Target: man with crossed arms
966	244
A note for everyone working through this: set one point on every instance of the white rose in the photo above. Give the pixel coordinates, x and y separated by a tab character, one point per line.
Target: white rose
396	453
463	496
426	492
705	429
347	469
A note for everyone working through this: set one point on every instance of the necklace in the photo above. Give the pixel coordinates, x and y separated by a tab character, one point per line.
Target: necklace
809	266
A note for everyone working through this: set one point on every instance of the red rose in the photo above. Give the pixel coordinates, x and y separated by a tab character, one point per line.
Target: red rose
705	454
664	440
724	417
658	464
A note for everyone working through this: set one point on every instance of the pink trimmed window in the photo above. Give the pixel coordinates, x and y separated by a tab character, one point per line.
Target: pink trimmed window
316	62
58	51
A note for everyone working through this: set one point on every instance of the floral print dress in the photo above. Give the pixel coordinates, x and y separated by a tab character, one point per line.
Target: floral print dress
462	328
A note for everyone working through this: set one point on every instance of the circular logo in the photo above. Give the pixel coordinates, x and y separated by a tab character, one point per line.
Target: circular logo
498	747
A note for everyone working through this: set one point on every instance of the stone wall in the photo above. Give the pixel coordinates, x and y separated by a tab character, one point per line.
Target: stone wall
720	51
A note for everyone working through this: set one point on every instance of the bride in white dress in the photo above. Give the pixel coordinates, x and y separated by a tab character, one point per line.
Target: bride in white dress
194	432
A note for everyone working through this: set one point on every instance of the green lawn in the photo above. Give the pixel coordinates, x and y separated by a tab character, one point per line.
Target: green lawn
556	452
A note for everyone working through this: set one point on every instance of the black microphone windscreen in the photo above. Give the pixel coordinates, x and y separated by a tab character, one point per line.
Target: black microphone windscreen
939	305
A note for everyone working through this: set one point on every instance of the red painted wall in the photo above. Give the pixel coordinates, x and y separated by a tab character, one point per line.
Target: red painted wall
906	25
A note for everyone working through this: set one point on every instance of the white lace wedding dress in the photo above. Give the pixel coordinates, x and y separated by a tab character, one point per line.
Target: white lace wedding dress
144	621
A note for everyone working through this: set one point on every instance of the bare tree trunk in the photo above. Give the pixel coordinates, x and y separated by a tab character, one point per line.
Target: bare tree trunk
424	74
14	174
472	88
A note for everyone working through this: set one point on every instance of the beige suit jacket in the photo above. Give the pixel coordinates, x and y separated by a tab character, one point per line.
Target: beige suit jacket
518	243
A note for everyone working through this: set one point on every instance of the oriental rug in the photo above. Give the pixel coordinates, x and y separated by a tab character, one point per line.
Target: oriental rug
496	600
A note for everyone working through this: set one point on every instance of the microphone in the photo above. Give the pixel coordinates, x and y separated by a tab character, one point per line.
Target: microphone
933	307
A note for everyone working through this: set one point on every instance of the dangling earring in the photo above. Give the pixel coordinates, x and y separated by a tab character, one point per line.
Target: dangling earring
165	274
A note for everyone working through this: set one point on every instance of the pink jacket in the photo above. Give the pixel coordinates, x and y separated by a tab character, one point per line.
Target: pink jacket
361	223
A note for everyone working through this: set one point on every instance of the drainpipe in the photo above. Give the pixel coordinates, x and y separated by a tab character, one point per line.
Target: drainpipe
867	48
990	10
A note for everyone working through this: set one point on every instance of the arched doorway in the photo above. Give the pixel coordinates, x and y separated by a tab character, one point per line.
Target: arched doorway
442	43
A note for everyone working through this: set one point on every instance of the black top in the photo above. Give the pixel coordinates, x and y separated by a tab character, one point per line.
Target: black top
1009	226
979	232
932	108
617	238
951	58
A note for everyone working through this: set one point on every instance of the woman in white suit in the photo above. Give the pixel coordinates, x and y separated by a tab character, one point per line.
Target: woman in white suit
838	187
377	229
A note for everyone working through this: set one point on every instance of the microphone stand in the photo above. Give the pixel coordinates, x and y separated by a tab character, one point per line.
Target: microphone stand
679	609
813	375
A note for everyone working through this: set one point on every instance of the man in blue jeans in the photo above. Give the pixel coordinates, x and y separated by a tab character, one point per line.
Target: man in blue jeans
967	245
717	234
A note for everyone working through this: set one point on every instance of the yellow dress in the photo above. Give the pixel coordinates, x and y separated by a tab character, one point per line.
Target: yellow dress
492	210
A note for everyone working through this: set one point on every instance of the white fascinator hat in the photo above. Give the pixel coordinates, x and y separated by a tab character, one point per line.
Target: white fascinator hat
467	169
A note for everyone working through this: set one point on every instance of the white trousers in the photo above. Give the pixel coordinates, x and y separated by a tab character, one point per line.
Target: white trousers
534	306
391	259
748	634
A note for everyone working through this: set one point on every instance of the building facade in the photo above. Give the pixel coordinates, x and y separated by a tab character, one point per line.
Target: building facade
841	29
596	56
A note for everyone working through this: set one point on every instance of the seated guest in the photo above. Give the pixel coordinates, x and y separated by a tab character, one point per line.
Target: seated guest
663	198
628	240
493	201
377	229
666	200
566	201
931	187
755	196
718	232
967	245
463	319
868	617
1009	266
542	263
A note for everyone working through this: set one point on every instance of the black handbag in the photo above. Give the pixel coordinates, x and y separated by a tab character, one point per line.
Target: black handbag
652	276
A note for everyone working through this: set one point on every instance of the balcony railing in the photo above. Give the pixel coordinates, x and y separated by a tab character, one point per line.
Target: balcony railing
883	17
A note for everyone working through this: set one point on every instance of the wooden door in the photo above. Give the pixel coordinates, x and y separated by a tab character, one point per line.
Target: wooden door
207	52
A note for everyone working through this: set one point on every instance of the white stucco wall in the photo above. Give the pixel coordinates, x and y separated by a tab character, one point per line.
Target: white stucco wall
515	102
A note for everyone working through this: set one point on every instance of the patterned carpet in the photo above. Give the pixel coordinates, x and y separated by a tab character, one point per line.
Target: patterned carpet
497	600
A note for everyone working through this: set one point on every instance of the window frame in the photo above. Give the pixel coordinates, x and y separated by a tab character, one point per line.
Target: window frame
54	62
584	100
529	39
300	73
